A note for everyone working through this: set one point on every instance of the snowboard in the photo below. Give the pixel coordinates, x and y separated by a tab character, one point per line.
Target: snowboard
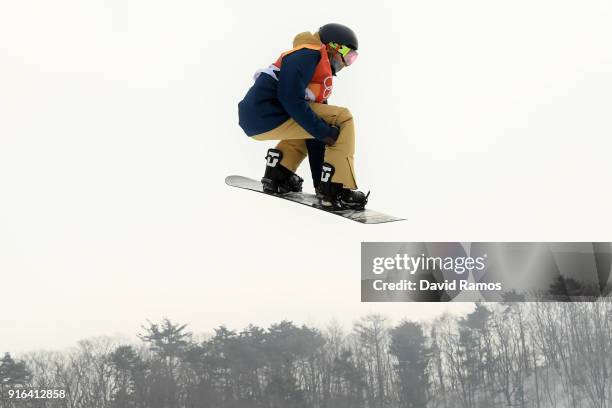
365	216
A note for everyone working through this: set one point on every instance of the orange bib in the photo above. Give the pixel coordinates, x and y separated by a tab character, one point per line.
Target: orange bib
321	84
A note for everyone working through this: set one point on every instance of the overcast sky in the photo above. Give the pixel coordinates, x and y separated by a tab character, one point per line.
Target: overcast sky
476	121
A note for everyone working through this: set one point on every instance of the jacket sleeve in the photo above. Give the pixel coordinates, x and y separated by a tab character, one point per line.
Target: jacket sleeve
295	74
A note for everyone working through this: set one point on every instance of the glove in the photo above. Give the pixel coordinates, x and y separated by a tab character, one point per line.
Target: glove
330	139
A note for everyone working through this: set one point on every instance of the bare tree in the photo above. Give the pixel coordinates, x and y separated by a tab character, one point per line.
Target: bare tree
372	335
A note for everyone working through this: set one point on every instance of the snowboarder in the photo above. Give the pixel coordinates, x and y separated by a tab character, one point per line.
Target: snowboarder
288	102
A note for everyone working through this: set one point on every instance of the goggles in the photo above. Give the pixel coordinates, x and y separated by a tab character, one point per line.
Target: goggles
348	55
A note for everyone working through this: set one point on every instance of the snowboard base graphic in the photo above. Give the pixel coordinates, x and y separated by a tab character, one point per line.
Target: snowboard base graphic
365	216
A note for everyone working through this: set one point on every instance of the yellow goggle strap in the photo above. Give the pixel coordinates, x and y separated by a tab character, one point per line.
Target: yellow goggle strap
342	49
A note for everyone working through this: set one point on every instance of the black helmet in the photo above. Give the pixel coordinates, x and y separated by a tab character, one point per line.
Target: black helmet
338	33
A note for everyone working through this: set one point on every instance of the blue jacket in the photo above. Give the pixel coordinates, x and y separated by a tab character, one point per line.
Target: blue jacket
269	102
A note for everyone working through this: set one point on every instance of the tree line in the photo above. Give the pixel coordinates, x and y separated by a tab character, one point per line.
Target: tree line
499	355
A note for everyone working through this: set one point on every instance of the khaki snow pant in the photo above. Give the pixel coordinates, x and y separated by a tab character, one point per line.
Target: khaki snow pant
292	142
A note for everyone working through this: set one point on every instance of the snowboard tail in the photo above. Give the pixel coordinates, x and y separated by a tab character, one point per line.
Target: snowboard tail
365	216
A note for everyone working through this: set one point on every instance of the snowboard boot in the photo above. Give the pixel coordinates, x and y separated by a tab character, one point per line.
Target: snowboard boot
278	179
333	196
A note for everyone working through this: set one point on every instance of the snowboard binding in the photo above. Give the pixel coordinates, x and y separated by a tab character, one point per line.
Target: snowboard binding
334	197
277	178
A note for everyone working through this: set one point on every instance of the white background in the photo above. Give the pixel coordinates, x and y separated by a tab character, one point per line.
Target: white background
476	120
